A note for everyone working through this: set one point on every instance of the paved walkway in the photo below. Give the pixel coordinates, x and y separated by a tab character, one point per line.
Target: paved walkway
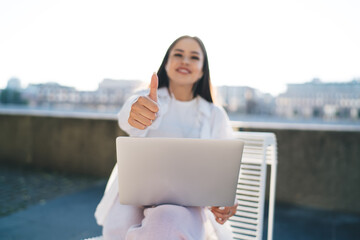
22	187
67	217
70	216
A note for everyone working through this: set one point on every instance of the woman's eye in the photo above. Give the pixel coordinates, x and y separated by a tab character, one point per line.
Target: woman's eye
177	55
195	58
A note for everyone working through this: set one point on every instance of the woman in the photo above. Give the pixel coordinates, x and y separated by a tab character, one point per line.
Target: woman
178	104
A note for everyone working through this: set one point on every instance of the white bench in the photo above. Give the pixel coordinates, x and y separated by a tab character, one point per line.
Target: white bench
260	150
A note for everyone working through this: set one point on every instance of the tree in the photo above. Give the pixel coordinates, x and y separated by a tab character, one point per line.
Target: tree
9	96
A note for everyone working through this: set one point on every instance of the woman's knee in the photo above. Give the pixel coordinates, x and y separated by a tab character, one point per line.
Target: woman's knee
173	215
169	222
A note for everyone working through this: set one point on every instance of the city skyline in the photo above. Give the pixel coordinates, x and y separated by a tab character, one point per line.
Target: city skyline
143	84
258	44
313	100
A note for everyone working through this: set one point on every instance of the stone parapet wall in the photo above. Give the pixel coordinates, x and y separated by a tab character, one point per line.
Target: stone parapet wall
74	145
316	168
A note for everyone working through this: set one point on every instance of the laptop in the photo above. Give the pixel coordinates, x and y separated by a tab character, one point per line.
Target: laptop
179	171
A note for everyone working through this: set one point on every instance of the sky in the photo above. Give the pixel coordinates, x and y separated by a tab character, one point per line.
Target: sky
258	43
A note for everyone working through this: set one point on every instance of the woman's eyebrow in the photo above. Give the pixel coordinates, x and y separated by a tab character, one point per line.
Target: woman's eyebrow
180	50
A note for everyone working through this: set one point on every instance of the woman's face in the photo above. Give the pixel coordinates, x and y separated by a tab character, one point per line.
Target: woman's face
185	63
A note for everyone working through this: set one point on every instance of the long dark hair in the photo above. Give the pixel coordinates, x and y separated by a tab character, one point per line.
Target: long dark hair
201	87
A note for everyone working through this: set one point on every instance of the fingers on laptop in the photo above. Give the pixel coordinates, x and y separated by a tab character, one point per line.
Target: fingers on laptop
222	214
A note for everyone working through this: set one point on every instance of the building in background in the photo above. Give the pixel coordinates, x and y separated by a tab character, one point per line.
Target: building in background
317	99
245	100
112	94
49	95
109	97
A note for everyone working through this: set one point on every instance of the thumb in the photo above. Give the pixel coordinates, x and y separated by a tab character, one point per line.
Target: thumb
153	87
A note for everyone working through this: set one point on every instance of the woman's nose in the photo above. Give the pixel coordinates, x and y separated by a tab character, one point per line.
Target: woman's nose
185	60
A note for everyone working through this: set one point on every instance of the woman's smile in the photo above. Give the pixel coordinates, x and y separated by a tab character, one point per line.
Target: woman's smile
183	70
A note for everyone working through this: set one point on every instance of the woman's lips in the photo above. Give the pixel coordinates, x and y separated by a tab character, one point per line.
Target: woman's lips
183	70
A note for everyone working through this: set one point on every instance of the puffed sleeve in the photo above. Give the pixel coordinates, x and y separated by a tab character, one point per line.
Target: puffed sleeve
220	124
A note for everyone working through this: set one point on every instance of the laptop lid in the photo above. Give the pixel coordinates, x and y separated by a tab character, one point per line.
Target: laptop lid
187	172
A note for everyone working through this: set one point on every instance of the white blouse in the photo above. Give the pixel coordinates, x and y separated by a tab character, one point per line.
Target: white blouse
180	121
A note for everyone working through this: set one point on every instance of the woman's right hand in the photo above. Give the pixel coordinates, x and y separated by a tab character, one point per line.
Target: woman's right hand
144	110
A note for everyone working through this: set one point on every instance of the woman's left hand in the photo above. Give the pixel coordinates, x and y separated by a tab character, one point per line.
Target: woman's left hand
222	214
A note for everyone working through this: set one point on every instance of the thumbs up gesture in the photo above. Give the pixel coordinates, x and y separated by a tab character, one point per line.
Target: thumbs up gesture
144	110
